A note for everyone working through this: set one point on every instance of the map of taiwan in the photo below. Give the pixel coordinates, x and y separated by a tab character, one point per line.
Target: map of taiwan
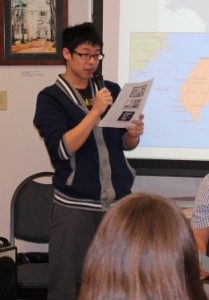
194	93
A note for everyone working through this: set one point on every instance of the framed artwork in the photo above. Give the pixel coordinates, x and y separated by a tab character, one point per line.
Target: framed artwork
31	31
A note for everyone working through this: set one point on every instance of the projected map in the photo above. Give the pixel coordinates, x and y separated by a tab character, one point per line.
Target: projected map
177	110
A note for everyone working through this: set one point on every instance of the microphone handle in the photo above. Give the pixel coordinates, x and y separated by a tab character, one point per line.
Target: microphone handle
98	78
100	84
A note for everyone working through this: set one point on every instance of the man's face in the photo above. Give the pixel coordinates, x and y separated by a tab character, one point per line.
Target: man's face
83	61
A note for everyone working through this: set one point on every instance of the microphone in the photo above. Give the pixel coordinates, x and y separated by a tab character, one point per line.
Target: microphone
98	79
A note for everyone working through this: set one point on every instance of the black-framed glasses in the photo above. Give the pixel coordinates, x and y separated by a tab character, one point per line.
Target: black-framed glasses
87	56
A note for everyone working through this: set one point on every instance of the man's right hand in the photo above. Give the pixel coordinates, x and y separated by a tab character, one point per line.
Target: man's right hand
102	100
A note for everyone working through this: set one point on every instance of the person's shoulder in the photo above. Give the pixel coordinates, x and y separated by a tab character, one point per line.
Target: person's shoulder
51	91
110	84
49	88
204	183
202	194
206	178
113	87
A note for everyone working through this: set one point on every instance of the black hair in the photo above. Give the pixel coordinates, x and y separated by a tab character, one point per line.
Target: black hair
80	34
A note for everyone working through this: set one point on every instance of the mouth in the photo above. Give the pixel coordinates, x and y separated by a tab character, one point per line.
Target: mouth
89	72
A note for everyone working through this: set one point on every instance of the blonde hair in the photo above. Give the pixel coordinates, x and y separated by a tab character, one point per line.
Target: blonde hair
144	249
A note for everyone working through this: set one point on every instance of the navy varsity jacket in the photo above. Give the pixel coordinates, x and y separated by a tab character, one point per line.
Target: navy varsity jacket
98	173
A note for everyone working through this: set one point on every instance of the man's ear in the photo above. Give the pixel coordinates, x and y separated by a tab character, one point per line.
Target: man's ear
66	53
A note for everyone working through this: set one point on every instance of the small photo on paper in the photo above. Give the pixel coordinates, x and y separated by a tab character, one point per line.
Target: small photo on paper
126	116
132	103
138	91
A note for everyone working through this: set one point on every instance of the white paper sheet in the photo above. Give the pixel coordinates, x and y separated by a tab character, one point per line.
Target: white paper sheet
128	105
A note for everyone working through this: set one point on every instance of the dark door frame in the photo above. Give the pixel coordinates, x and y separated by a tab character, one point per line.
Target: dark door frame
97	18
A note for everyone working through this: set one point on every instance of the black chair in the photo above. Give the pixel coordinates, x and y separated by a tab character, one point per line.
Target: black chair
29	222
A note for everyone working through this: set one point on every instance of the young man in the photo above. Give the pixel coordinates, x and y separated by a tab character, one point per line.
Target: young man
91	171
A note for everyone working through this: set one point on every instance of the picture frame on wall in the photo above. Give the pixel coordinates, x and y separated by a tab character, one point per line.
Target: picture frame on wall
31	31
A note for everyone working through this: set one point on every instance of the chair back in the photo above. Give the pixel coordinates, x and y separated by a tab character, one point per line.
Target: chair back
30	206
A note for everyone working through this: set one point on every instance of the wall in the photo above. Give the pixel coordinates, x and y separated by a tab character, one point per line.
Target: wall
22	152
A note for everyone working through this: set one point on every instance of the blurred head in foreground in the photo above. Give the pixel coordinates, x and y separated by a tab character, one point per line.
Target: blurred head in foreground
144	249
